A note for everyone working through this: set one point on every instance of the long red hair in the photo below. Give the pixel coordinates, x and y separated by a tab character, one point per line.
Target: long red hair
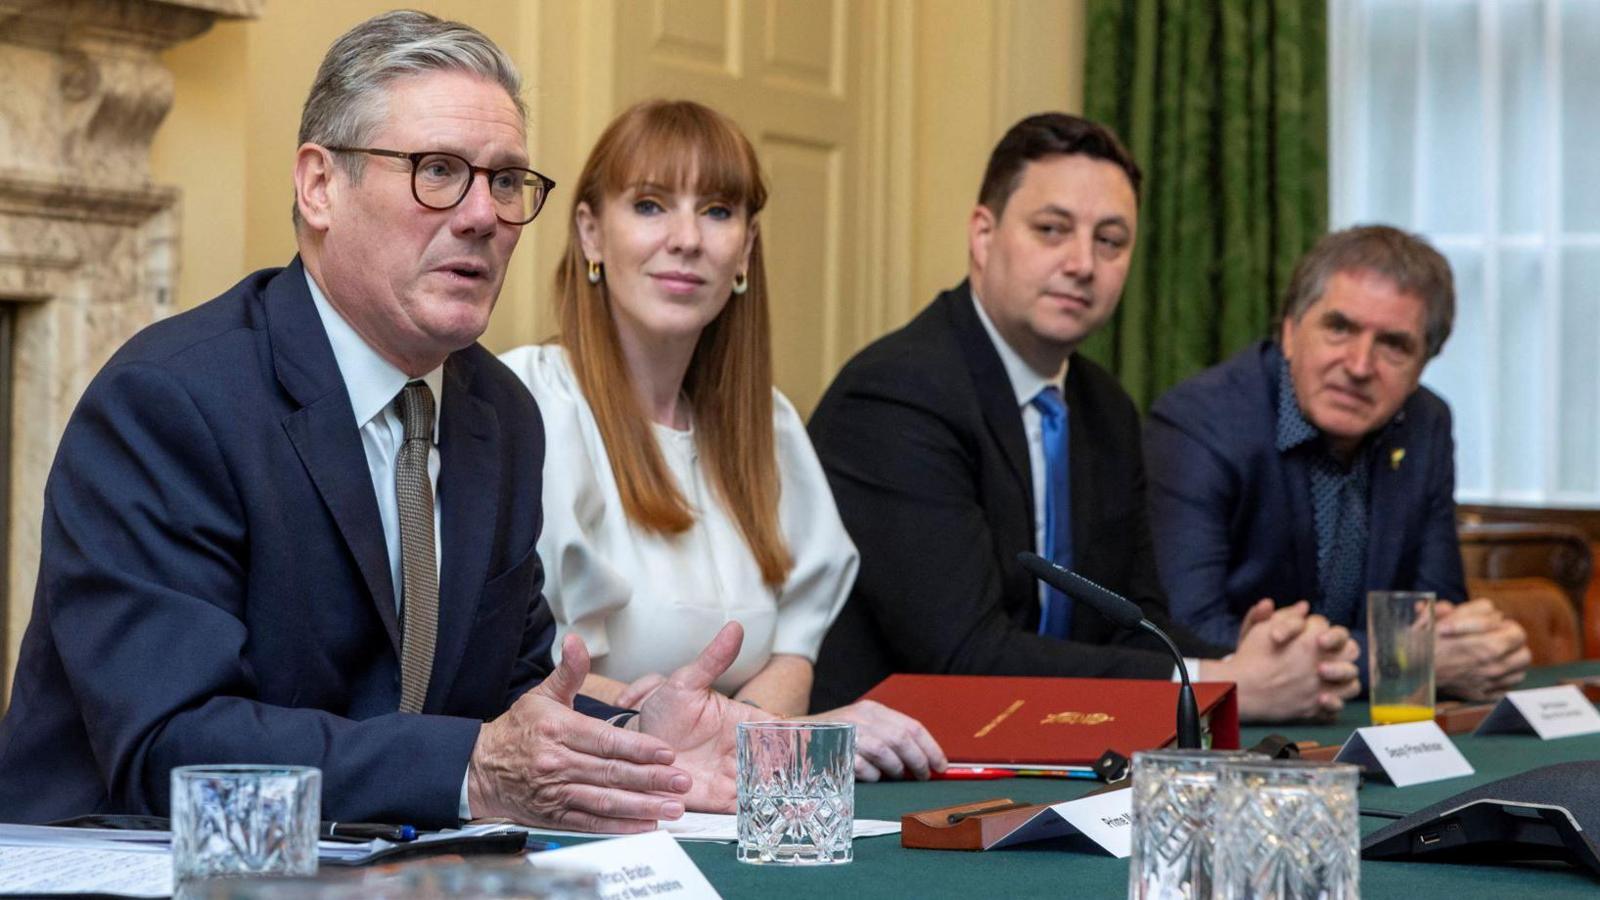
729	380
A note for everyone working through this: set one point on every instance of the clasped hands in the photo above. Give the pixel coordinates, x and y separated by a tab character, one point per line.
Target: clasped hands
1289	664
542	763
1479	653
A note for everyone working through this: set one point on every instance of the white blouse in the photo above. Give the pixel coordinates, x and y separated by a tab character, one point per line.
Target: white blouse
645	602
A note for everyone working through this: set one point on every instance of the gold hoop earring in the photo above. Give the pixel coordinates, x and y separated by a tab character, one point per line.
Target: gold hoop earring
741	283
594	272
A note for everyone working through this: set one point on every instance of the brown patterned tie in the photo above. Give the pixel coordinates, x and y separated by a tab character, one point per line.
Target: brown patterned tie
419	575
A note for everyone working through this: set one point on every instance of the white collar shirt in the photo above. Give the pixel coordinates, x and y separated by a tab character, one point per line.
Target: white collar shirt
1026	383
373	383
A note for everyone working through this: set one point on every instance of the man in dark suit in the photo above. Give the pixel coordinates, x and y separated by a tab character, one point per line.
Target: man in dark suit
1316	466
239	549
976	432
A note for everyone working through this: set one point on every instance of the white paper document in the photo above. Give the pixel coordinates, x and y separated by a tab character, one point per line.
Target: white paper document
39	859
696	826
37	869
643	865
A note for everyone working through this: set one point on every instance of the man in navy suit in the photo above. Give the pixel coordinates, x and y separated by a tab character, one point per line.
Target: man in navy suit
1316	467
239	558
977	431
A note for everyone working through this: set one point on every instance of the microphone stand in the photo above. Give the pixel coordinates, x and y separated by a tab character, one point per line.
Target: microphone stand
1126	614
1188	708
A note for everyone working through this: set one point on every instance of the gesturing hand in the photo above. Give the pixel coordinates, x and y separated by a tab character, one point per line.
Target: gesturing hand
698	723
541	763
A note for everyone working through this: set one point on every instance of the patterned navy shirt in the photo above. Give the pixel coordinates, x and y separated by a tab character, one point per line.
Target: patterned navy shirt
1338	503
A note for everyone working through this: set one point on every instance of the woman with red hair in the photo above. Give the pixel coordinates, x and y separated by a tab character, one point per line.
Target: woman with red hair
680	488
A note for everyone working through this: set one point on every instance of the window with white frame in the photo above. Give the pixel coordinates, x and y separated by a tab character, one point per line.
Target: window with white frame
1477	124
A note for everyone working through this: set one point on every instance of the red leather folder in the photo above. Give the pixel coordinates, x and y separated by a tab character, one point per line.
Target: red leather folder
993	719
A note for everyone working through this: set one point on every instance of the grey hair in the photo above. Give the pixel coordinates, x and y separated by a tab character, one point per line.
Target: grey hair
1407	259
347	98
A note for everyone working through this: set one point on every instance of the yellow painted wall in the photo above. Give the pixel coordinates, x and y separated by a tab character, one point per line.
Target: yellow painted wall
979	68
229	142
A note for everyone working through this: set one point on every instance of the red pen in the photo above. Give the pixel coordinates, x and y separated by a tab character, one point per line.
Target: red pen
971	773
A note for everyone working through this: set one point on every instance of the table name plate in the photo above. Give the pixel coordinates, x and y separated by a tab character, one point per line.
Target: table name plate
1106	819
1552	712
644	865
1407	754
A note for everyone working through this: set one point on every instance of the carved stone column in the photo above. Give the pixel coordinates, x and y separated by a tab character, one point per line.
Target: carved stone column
86	240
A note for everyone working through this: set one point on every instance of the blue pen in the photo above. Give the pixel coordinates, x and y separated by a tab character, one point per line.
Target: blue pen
366	831
536	845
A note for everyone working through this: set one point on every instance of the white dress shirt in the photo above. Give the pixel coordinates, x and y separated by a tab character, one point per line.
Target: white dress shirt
1026	383
373	383
645	602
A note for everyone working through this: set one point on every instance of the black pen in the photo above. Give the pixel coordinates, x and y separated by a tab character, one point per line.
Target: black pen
366	831
953	818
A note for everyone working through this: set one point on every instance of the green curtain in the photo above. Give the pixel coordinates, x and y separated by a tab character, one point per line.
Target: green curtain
1224	105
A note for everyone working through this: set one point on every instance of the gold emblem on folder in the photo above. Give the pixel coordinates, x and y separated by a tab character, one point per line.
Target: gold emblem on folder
998	719
1077	718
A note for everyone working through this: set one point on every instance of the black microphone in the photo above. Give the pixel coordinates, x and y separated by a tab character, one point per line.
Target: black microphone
1126	614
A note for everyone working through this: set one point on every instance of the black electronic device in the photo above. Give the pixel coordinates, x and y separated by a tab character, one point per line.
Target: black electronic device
1548	813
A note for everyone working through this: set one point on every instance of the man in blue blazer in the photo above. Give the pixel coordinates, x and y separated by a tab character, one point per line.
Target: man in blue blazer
1316	467
239	559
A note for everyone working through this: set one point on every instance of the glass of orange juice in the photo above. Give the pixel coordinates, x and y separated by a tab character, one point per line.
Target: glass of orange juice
1400	656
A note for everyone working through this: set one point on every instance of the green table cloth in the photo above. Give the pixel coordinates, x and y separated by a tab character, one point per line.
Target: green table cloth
1073	868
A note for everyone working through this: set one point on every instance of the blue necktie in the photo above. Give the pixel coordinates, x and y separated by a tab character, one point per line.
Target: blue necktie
1056	617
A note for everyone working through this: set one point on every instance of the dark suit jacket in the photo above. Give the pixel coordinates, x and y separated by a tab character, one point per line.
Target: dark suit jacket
924	447
1233	518
214	585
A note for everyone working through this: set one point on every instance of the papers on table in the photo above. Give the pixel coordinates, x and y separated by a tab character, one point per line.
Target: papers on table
31	870
724	828
38	859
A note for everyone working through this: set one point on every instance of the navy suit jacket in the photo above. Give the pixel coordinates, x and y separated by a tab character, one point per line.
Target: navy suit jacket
214	585
1232	516
924	448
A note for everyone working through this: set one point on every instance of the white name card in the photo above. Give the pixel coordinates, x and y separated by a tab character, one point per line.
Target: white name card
643	865
1106	819
1552	712
1410	753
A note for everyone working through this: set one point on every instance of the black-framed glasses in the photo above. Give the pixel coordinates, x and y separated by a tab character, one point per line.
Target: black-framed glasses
441	180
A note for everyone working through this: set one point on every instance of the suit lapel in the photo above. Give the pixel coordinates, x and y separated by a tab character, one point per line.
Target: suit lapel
324	434
1385	514
1302	523
1086	505
996	397
469	470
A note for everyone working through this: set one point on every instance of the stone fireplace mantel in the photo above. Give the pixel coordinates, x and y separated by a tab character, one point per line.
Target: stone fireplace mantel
86	239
